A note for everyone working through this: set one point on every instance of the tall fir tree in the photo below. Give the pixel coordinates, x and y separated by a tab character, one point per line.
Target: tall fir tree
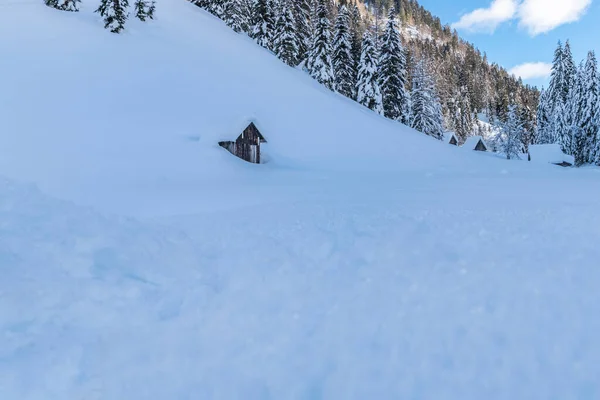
572	134
114	13
286	40
570	70
263	23
367	90
303	27
557	92
426	109
463	119
544	129
356	31
510	142
144	9
392	73
527	120
590	113
319	64
343	64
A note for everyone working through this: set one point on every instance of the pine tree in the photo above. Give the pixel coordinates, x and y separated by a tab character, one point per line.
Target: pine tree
70	5
319	63
426	109
367	90
557	90
343	70
286	40
527	120
52	3
114	13
263	23
392	73
575	136
511	131
590	104
356	31
144	9
563	76
543	132
303	27
205	4
463	119
570	70
232	14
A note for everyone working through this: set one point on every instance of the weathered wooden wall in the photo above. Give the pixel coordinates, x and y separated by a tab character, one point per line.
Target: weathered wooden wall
247	145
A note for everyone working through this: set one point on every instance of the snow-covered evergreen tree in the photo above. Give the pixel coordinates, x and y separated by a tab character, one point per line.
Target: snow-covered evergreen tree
144	9
392	73
356	32
64	5
114	13
510	137
70	5
303	27
52	3
233	14
544	130
556	89
527	119
570	70
286	40
572	136
319	63
367	90
343	64
426	109
263	23
462	120
590	104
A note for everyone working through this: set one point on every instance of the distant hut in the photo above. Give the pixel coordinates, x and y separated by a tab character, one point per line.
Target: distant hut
247	145
450	138
551	154
475	143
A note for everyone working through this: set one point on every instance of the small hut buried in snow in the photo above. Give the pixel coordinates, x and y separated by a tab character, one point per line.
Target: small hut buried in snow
475	143
247	145
450	138
550	154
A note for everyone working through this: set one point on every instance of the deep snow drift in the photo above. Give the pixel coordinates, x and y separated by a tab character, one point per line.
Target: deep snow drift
139	260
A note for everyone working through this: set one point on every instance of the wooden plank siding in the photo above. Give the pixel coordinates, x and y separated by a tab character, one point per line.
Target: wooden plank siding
247	145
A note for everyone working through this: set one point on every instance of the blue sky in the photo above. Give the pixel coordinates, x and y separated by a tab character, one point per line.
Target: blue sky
516	32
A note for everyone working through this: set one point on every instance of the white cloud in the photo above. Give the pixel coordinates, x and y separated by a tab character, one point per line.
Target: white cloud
532	70
488	19
541	16
537	16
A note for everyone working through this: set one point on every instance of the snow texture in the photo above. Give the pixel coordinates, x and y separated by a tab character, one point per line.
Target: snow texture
365	260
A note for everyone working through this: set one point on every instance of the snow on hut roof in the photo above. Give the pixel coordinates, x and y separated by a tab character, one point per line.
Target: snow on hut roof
448	136
549	153
472	142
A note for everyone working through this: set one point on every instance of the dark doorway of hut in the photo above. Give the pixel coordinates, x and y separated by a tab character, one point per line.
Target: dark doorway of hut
247	145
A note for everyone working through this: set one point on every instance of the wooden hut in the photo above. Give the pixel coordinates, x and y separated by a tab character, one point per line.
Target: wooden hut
475	143
551	154
247	145
450	138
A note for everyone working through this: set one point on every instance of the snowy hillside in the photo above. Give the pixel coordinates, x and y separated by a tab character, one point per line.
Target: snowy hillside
140	260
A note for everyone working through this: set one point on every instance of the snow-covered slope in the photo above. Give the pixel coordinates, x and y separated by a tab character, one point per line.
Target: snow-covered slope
140	260
153	103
